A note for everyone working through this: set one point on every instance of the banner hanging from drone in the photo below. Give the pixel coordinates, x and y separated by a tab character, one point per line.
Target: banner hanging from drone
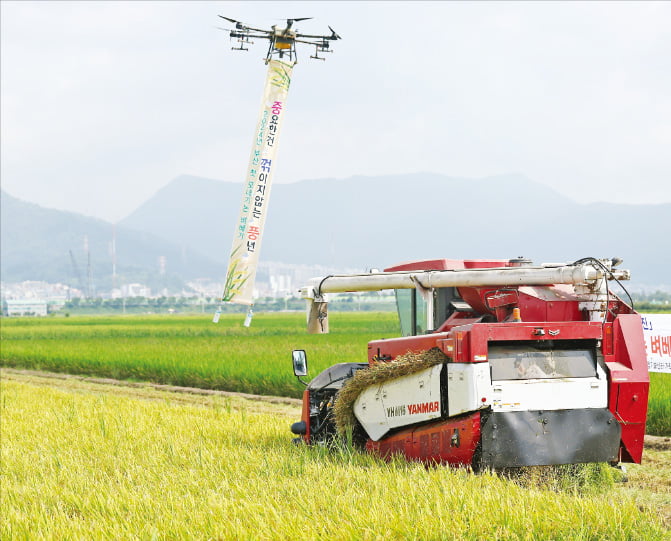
239	285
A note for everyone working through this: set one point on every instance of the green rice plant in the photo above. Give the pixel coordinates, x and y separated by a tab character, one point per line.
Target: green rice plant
659	405
192	351
85	462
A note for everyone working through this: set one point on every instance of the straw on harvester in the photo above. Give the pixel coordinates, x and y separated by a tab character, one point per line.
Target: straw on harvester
403	365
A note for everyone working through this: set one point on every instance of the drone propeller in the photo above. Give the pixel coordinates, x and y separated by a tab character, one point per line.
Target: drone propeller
290	22
333	34
238	24
243	27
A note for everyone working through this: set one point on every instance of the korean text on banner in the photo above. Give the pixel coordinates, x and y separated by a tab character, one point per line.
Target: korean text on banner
657	333
239	286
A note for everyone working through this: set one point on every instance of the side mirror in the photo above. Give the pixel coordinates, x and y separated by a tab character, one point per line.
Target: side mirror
300	360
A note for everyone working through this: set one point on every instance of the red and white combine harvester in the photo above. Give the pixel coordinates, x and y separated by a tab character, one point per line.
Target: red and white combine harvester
501	364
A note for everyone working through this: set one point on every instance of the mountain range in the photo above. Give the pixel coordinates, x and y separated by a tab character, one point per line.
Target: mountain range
49	245
359	222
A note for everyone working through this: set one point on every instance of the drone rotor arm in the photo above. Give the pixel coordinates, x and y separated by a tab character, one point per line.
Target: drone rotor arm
318	43
235	34
258	30
311	36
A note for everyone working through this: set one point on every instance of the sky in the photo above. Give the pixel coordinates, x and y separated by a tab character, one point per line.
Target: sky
104	103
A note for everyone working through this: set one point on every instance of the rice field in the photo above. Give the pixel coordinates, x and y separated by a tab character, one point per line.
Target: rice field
82	461
192	351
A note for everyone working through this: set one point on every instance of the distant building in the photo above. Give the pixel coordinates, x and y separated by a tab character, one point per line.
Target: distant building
135	290
26	307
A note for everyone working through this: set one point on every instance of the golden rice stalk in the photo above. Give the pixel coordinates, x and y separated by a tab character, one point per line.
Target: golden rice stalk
381	372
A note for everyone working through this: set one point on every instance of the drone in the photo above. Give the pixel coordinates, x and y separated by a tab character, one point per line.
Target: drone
282	41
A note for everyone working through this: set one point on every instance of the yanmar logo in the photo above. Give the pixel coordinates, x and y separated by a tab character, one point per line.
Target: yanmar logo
426	407
413	409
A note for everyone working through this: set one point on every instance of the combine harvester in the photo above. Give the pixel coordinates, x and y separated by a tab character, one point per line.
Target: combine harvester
501	364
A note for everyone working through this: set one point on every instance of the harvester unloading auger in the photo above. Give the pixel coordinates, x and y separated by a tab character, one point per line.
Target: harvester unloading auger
501	364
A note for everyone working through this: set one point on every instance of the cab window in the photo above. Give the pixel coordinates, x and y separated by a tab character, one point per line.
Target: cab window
411	312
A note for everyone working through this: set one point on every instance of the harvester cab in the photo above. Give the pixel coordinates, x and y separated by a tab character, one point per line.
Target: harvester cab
500	364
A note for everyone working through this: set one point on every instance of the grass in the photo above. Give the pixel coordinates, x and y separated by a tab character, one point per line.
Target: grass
82	461
192	351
